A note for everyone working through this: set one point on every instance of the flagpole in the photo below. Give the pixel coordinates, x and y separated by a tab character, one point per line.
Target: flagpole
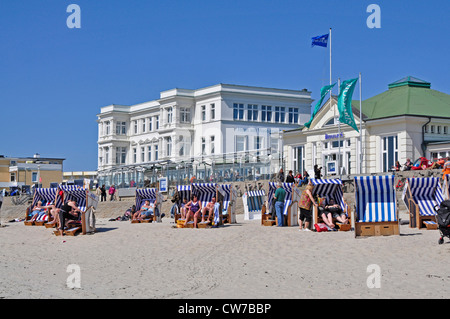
360	127
339	136
331	77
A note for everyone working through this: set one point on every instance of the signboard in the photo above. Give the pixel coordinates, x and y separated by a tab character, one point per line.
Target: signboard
163	185
331	167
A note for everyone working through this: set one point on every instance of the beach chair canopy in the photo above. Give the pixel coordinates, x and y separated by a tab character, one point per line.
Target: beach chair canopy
143	194
287	200
72	192
204	192
427	193
45	195
375	199
331	188
255	200
228	193
184	191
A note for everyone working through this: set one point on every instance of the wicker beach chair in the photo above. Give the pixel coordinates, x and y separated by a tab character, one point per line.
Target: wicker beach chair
290	209
333	189
152	195
86	202
254	204
375	206
46	196
423	194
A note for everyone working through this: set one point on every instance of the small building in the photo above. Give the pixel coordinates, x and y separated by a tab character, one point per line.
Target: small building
36	170
409	120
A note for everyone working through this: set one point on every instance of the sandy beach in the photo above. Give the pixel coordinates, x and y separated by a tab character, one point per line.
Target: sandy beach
243	260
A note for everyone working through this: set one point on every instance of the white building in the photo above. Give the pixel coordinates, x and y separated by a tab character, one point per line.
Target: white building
221	125
409	120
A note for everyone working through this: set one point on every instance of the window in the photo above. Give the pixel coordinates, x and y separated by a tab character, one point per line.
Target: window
439	128
13	177
134	155
203	112
185	115
135	127
280	114
389	149
293	115
107	127
203	146
445	129
274	145
258	144
169	146
211	144
181	146
252	112
169	115
106	155
156	152
149	153
266	113
157	122
121	155
121	128
143	121
238	111
213	111
432	129
142	154
150	124
241	143
34	177
299	159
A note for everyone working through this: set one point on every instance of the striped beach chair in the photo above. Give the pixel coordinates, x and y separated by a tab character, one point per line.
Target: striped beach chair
86	202
290	209
182	192
424	194
229	195
152	195
254	204
46	196
332	188
376	206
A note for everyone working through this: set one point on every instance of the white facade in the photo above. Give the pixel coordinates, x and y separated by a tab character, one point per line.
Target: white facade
201	125
384	141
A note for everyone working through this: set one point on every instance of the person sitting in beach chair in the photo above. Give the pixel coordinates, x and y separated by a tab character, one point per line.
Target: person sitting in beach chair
194	209
147	211
38	211
69	211
210	209
332	210
184	208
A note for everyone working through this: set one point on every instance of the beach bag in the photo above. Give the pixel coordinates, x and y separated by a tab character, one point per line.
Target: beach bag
320	227
443	214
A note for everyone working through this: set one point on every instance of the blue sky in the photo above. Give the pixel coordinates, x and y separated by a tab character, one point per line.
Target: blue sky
54	80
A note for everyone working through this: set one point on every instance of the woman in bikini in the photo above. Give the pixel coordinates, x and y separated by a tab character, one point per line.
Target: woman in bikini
195	208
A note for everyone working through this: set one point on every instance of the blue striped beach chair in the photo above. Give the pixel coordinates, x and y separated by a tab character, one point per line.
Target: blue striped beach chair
332	188
425	193
254	204
47	197
86	202
152	195
290	209
376	206
229	195
182	192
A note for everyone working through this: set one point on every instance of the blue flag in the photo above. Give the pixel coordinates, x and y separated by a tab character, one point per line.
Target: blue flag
321	41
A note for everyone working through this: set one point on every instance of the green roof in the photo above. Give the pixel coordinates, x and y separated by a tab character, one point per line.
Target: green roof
408	96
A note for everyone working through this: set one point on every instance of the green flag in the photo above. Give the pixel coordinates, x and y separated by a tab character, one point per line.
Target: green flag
345	103
323	92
